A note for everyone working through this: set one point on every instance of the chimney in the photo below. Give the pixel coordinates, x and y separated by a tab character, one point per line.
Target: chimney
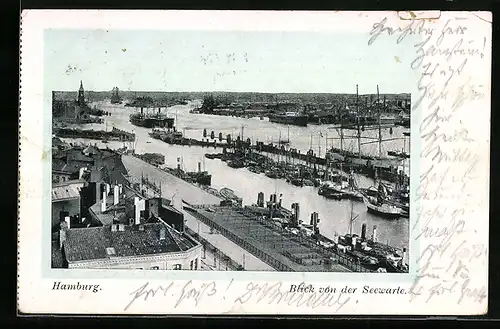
107	189
116	194
121	227
98	191
162	233
335	238
80	174
281	199
103	202
62	237
260	199
139	206
67	219
120	189
354	240
199	166
113	227
404	260
363	232
374	238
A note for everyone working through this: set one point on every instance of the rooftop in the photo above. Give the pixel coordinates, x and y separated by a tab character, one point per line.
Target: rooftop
102	243
61	166
67	190
124	207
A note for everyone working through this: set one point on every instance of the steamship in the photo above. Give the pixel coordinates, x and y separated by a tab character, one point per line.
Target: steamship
151	120
290	118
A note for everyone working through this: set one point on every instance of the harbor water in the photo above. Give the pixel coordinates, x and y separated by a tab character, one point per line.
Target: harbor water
334	215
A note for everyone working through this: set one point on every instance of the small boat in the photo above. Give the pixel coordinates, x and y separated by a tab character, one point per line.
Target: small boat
396	266
236	164
227	193
210	156
297	182
254	169
382	209
398	154
271	174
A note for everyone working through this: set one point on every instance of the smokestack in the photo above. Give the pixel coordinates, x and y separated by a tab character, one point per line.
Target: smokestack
68	221
120	189
354	240
139	206
116	194
103	202
98	191
199	166
374	233
363	232
107	189
281	199
260	199
137	211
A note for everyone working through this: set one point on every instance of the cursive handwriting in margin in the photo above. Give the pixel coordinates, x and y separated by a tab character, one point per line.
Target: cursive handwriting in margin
275	294
187	292
443	56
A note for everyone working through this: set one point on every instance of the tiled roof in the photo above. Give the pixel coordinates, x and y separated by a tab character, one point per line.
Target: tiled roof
60	166
75	155
67	190
93	243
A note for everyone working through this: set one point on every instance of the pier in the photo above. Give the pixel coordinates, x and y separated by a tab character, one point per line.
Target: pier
113	135
277	247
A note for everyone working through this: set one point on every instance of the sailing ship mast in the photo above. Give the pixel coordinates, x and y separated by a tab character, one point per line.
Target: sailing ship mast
359	132
379	126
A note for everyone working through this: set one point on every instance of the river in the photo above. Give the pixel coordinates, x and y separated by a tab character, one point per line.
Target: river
334	215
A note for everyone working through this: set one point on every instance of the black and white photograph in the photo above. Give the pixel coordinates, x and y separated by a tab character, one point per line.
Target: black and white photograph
200	151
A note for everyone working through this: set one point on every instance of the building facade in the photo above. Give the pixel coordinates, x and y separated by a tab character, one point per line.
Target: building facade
154	246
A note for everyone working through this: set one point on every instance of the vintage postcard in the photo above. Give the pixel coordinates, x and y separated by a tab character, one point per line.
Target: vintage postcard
205	162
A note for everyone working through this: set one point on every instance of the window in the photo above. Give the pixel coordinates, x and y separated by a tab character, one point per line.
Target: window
196	264
139	268
177	266
191	265
155	268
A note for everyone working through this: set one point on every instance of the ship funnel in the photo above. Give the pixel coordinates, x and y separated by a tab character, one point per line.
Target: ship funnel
260	199
363	232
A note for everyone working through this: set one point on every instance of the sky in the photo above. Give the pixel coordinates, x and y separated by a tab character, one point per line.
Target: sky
271	62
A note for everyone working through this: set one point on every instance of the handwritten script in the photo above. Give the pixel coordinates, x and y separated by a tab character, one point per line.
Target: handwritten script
194	294
188	292
450	160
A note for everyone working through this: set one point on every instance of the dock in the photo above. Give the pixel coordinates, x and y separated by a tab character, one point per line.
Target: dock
172	186
279	249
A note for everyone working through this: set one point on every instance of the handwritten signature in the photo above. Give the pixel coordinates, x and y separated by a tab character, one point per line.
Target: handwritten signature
189	291
276	294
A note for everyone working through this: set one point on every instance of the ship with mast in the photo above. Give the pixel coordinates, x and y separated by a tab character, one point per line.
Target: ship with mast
115	96
149	116
295	118
379	201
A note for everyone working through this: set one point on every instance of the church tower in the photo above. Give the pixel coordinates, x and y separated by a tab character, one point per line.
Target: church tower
81	94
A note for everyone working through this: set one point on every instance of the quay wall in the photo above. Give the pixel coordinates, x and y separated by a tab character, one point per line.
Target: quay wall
221	256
